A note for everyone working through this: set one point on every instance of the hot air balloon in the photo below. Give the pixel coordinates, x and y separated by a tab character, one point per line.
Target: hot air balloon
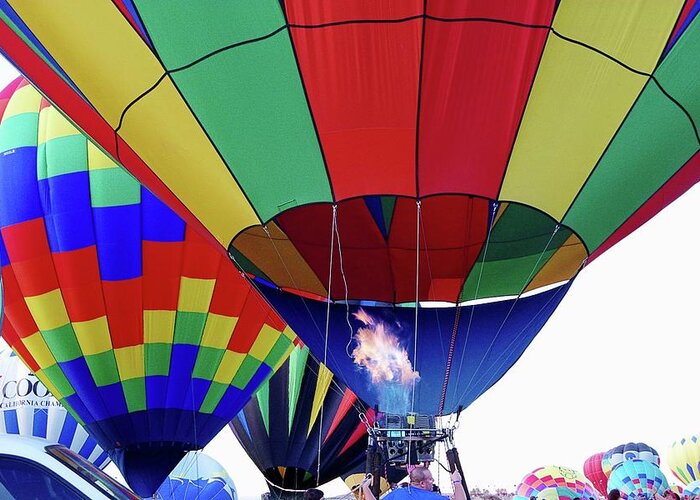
678	490
692	489
593	470
554	476
392	154
628	451
638	478
684	459
303	428
27	408
198	477
138	326
557	493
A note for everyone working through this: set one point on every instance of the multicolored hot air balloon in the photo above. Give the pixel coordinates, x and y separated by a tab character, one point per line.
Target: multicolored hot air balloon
554	476
558	493
198	477
27	408
137	325
684	459
628	451
593	470
394	154
303	428
390	476
636	478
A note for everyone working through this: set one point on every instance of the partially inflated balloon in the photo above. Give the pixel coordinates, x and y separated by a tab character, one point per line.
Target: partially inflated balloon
676	489
198	477
629	451
638	478
593	470
146	333
302	428
684	459
394	152
27	408
553	476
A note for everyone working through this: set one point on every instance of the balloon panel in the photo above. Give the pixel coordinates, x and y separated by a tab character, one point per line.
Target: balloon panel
132	320
490	337
27	408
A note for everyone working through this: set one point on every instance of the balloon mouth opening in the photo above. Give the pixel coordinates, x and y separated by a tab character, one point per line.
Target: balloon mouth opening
370	245
146	466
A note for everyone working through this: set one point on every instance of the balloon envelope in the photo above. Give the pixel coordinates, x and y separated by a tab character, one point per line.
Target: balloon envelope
27	408
445	151
198	477
302	428
684	459
637	478
138	326
628	451
554	476
593	470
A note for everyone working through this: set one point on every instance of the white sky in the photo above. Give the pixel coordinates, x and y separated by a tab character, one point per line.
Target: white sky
617	362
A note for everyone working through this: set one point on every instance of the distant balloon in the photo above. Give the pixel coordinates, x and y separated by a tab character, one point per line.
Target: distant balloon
557	493
637	478
684	459
198	477
692	488
593	470
27	408
553	476
676	489
629	451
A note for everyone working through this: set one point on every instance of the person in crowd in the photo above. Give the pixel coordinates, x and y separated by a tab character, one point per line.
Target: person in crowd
614	494
420	487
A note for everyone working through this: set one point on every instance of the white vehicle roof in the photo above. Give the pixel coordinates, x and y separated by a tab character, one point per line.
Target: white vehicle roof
57	463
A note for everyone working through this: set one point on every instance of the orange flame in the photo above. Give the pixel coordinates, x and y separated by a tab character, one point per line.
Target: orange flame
380	352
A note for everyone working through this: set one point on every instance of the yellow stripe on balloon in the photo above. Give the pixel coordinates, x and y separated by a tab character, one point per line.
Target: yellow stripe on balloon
98	49
93	336
323	382
47	382
48	310
264	342
561	266
580	97
24	100
217	330
41	353
54	125
130	362
158	326
97	159
228	367
195	294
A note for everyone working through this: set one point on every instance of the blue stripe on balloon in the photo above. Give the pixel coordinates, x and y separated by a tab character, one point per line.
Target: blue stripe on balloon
88	447
4	258
101	460
114	393
156	391
68	430
118	241
68	214
182	362
40	423
159	222
231	402
11	423
19	182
